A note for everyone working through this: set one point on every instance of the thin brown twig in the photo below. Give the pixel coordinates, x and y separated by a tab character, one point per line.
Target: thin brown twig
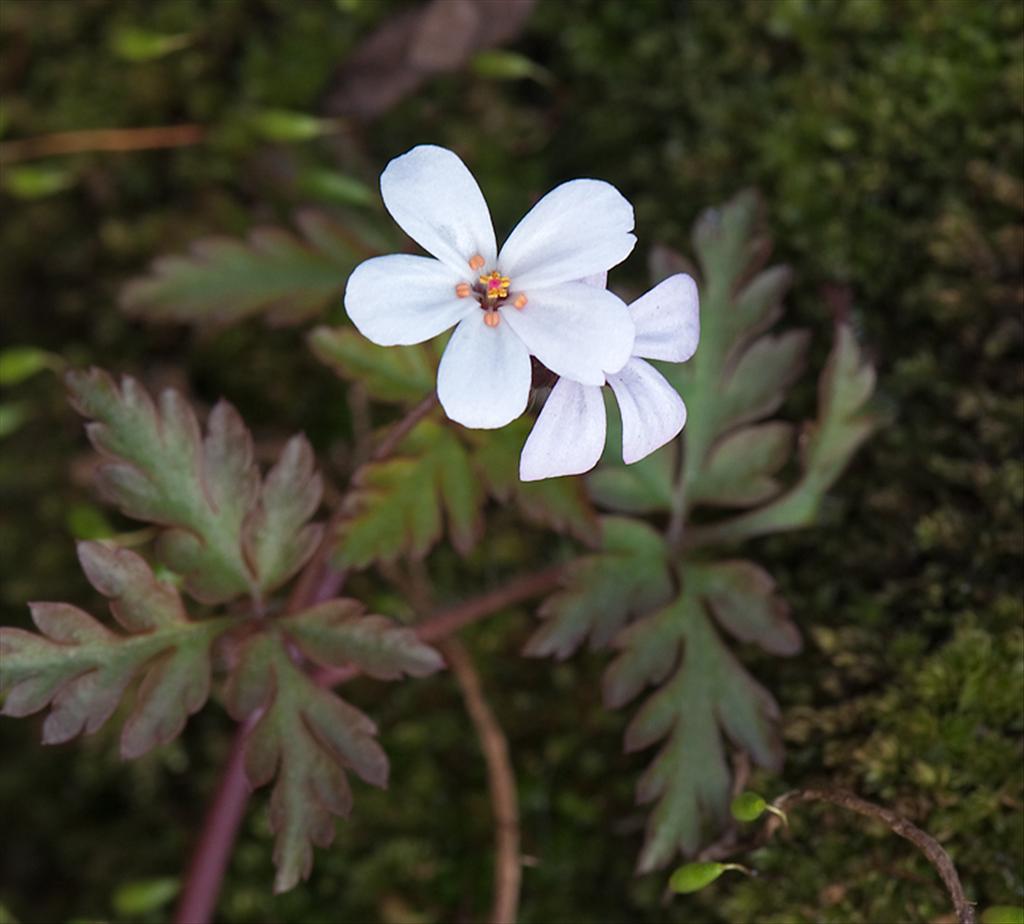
934	852
501	782
103	139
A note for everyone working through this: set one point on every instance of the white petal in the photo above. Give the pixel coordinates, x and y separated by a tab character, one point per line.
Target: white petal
652	411
578	229
404	299
598	280
668	320
484	377
568	437
575	330
432	195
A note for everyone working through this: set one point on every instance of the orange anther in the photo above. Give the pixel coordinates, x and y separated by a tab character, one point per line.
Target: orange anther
462	289
476	261
492	319
520	302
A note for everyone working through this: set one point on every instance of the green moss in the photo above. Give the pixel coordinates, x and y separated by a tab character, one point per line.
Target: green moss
887	139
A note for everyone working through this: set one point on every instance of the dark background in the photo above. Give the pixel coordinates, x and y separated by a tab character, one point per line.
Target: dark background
886	136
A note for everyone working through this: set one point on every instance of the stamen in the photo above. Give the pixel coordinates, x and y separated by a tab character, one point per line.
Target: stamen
462	290
492	319
520	302
495	285
476	261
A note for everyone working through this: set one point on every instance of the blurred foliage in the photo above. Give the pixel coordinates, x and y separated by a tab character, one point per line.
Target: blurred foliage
887	140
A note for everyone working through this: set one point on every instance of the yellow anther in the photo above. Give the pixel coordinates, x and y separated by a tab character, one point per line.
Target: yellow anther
520	302
462	290
492	319
476	261
495	285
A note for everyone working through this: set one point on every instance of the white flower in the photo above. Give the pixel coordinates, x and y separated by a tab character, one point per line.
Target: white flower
579	228
569	435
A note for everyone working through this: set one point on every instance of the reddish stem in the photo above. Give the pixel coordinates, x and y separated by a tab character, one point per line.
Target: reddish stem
220	827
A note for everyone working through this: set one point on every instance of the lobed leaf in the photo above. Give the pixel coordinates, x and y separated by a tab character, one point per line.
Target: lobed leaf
402	374
222	529
828	444
740	467
400	506
274	272
305	738
628	575
338	632
704	694
81	669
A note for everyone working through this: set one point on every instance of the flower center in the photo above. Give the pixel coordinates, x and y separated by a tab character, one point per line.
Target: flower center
495	286
489	290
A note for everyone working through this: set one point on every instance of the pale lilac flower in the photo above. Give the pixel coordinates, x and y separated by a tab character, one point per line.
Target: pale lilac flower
526	300
569	435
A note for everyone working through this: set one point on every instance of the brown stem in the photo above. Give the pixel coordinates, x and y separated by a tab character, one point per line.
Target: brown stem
931	848
104	139
501	783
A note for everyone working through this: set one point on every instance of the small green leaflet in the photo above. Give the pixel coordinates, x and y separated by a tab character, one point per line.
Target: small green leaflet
400	374
339	632
226	531
399	506
274	272
627	576
703	693
81	669
307	737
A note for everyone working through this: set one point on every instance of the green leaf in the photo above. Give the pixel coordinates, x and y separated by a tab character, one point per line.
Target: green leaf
734	378
283	125
1003	914
498	64
81	669
37	181
339	632
627	576
695	876
828	444
399	506
739	469
748	806
144	896
277	537
20	363
559	504
704	692
643	487
307	738
275	273
140	45
402	374
743	600
332	186
757	384
13	415
223	530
